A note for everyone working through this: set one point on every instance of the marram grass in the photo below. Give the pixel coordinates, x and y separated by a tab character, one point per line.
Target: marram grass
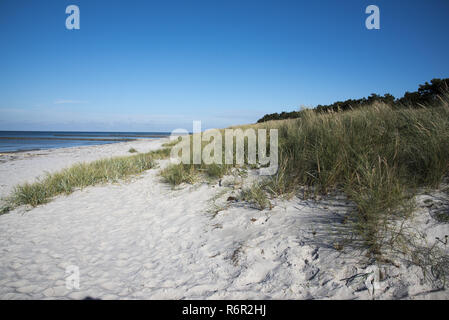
378	155
80	176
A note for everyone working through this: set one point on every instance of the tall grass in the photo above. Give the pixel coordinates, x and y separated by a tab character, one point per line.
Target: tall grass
177	174
378	155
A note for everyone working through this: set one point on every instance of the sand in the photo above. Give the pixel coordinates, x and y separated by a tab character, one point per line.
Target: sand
141	239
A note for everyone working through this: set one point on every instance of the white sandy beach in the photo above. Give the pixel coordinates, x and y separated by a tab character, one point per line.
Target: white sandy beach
140	239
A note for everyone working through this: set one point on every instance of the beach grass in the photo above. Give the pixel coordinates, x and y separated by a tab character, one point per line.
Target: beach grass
80	176
378	156
255	195
171	143
175	174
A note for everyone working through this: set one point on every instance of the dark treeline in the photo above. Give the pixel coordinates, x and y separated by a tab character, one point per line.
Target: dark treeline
427	94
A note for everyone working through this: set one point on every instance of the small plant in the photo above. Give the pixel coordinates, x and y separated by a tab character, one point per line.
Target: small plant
279	185
235	257
216	170
442	215
257	196
132	150
433	261
176	174
5	209
161	153
380	198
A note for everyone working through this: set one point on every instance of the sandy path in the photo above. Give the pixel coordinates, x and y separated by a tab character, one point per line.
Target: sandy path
142	240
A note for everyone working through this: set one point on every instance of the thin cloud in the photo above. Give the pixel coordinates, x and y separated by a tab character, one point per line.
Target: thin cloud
69	102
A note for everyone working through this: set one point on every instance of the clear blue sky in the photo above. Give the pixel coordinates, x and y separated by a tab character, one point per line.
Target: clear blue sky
156	66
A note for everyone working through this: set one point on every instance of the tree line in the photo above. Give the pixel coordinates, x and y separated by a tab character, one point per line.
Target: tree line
427	94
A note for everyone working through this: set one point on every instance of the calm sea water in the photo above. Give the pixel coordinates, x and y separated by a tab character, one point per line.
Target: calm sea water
11	141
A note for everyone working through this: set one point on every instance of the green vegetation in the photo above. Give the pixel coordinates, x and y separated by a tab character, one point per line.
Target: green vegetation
171	143
132	150
188	173
80	176
216	170
379	155
177	174
256	196
162	153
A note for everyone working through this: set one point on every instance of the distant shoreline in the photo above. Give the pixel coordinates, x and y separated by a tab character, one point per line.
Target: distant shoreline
82	139
21	141
16	169
117	135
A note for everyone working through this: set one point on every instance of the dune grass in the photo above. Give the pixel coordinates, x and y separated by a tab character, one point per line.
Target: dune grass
177	174
132	150
255	195
80	176
378	155
171	143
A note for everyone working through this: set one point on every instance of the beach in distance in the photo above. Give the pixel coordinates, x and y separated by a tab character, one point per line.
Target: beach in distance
14	141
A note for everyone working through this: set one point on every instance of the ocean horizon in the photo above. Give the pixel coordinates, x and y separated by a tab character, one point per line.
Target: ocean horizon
17	141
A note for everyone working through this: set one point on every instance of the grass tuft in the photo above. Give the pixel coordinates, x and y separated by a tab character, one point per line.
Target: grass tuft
175	174
256	195
171	143
216	170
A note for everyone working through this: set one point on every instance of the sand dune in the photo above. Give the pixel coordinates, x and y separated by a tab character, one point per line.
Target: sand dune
141	239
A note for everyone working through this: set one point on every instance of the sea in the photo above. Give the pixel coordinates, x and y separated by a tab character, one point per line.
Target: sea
15	141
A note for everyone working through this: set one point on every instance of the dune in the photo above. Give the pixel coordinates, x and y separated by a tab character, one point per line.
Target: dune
142	239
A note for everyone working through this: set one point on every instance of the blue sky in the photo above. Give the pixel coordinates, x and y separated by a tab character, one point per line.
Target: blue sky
156	66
